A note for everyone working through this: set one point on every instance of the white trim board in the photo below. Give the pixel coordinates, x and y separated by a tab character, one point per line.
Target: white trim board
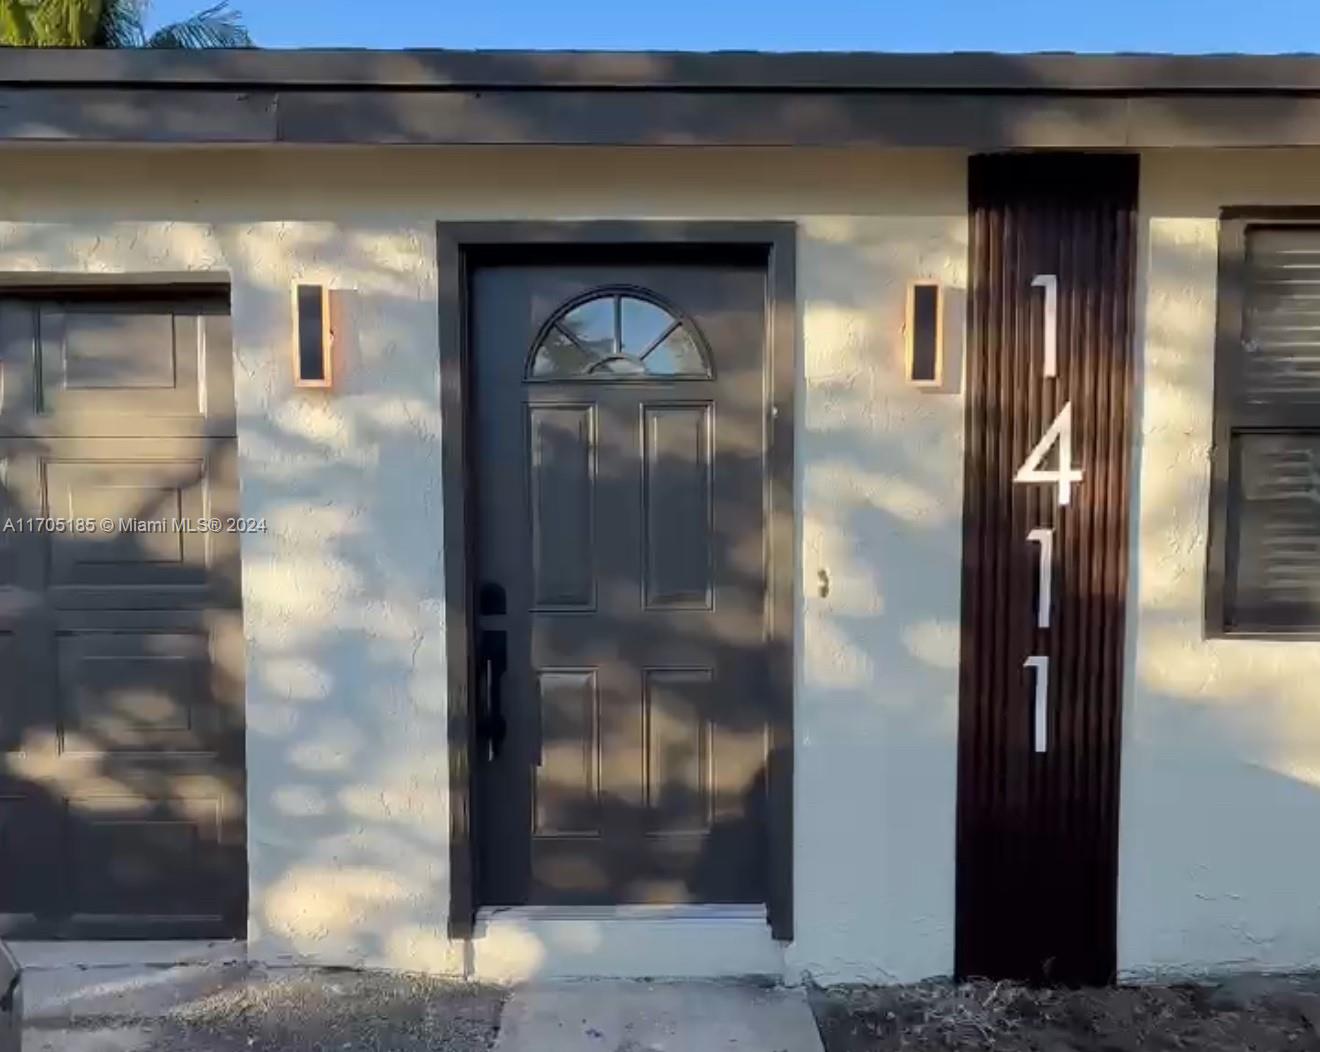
36	955
516	944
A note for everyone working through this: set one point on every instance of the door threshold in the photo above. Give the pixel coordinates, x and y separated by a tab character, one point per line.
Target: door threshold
518	943
39	954
621	912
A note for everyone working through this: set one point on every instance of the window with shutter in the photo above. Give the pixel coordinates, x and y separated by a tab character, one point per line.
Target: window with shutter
1264	557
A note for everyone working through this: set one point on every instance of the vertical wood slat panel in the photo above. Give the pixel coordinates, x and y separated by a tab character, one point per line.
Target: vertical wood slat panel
1037	832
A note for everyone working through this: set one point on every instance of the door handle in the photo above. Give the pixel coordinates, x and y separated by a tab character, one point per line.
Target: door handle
491	725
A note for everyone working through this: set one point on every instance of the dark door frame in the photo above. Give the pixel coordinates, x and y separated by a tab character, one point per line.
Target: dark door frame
458	246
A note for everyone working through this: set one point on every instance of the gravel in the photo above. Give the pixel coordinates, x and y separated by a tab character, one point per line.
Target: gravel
298	1010
1259	1013
242	1008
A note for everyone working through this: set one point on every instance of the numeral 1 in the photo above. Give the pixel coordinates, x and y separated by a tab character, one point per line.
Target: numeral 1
1040	729
1044	536
1050	283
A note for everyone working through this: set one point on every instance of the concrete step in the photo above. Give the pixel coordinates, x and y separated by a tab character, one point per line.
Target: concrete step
640	1016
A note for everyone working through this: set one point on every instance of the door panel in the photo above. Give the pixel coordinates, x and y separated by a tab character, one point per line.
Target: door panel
1041	687
561	473
677	442
679	758
566	786
620	515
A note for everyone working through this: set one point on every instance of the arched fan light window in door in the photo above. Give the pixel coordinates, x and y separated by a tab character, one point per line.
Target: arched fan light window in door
618	333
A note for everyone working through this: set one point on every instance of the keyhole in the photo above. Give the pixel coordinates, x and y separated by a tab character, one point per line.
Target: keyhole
823	583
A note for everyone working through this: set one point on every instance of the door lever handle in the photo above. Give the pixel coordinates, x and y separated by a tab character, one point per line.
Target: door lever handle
491	725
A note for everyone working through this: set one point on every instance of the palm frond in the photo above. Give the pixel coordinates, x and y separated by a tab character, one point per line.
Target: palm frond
217	26
122	23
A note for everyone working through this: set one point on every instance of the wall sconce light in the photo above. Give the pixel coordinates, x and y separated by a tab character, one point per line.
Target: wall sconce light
925	334
313	336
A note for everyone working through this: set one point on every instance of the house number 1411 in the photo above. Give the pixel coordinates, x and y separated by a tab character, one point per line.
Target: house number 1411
1058	436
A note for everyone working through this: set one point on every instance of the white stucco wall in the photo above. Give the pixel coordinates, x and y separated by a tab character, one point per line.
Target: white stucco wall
343	599
1220	819
1220	823
877	696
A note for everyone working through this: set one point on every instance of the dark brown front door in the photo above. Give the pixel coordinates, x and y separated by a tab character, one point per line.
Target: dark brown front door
121	653
620	429
1044	564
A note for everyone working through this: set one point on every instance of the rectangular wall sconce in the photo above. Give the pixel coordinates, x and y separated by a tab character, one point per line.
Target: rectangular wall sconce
925	334
313	336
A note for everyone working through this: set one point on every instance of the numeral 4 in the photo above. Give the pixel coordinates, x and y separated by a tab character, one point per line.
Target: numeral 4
1063	476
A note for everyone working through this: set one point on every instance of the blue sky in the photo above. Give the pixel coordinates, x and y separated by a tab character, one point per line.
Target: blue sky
774	25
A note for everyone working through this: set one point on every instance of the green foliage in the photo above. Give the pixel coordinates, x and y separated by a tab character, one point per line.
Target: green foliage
49	23
16	29
115	24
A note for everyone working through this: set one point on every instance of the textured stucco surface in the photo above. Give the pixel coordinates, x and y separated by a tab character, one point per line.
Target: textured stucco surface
1220	820
877	698
1220	825
343	598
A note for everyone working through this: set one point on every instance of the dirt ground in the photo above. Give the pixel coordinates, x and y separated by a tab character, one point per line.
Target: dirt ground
1242	1014
246	1009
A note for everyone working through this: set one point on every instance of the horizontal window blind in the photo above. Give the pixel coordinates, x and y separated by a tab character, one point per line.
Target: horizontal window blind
1265	551
1281	346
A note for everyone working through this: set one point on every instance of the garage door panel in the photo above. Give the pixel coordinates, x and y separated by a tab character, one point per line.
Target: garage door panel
183	619
27	719
28	860
119	359
10	557
149	507
96	351
20	546
134	859
143	505
106	365
136	692
134	689
9	513
18	357
14	717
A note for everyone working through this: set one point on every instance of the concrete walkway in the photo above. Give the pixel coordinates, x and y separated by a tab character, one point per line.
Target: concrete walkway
600	1016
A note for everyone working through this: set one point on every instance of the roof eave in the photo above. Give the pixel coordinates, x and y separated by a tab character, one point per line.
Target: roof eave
437	98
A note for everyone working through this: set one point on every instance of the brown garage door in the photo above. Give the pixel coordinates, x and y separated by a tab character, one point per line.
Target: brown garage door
121	717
